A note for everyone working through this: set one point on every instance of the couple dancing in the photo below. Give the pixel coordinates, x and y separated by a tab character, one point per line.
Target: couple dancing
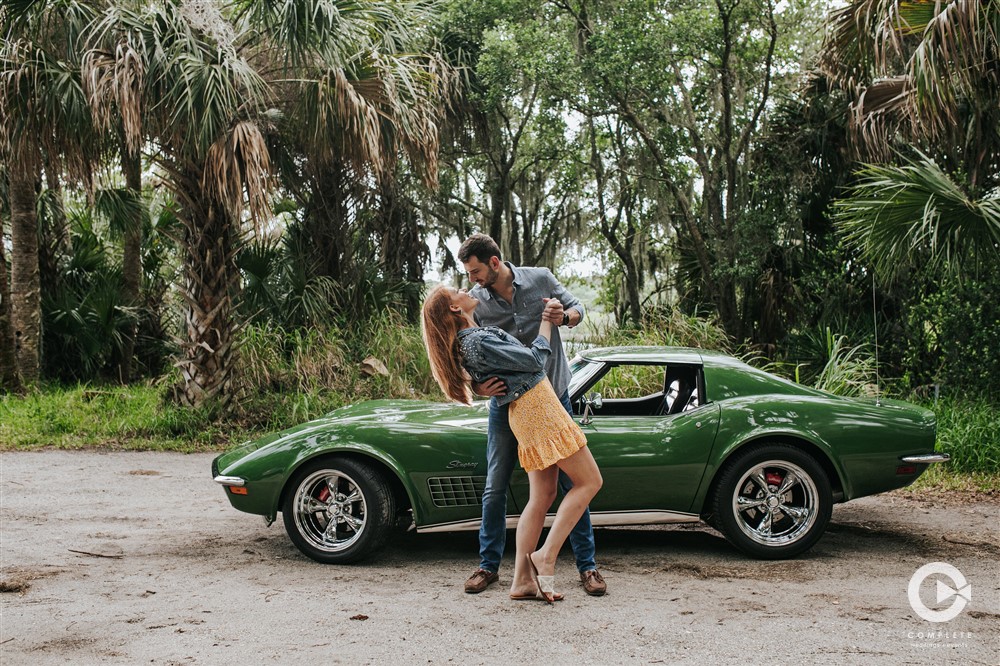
502	340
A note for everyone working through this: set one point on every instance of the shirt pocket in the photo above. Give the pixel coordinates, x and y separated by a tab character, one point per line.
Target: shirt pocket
532	310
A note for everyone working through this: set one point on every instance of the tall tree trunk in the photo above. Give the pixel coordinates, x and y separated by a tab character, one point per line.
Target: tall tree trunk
498	201
10	379
210	280
131	261
326	223
623	247
402	248
53	241
25	285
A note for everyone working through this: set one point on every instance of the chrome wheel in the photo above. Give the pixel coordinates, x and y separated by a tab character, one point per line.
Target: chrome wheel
338	510
775	503
330	510
771	500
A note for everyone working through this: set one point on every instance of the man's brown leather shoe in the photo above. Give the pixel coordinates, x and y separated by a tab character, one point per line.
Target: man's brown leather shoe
480	580
593	583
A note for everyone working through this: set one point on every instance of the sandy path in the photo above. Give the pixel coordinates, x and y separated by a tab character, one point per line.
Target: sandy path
138	558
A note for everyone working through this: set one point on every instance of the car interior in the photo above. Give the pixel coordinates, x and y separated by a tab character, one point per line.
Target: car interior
646	390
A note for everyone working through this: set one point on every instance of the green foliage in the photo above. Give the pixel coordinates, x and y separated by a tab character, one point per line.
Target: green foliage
665	326
113	417
290	375
898	215
950	336
278	286
85	316
849	371
85	319
970	431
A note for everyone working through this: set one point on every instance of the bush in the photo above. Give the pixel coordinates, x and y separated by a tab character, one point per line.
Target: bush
970	431
951	336
660	327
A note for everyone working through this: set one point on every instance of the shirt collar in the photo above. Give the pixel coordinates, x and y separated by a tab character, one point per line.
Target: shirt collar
488	291
515	271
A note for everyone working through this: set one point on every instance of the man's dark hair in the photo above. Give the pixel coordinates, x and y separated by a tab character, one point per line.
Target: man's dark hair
480	246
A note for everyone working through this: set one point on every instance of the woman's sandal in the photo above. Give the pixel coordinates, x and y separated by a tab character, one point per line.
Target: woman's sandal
546	584
535	596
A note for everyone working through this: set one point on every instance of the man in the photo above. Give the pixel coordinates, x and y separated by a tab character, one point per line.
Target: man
513	298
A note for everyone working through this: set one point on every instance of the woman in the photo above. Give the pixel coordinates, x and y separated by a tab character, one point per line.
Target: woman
548	439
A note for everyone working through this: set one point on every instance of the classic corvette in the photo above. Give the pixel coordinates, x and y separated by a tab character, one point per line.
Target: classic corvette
680	435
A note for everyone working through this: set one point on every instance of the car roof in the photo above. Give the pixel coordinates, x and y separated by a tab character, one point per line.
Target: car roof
648	354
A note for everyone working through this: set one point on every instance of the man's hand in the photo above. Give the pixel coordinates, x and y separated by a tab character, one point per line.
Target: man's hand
553	312
494	387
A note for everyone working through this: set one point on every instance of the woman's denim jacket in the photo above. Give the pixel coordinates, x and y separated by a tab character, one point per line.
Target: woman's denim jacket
488	351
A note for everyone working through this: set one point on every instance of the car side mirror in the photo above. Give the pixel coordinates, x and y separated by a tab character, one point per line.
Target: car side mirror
590	403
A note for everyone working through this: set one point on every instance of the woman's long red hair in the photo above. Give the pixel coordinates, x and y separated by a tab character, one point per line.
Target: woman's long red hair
440	327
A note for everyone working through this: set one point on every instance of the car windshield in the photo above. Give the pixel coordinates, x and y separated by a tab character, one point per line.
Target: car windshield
581	370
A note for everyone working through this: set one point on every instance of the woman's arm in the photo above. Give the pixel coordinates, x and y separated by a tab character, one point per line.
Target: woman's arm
545	328
501	354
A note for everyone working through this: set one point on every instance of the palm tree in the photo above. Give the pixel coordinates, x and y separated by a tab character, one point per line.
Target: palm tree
206	89
10	379
925	76
205	111
42	114
358	87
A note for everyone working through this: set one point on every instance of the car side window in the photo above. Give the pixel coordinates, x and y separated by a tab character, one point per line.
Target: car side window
646	390
682	392
630	390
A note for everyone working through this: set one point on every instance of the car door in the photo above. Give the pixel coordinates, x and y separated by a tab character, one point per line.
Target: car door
651	462
649	457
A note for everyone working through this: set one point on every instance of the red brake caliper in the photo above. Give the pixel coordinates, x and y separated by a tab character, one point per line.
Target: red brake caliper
773	479
324	494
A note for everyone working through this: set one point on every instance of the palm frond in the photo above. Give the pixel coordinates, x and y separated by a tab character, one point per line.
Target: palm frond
237	163
123	208
898	213
956	56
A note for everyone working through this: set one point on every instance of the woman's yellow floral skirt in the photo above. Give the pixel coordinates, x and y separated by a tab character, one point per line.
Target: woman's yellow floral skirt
545	433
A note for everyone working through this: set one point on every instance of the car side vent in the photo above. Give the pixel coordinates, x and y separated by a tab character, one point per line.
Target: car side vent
457	490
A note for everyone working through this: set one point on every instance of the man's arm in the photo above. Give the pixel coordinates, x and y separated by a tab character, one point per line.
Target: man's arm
572	308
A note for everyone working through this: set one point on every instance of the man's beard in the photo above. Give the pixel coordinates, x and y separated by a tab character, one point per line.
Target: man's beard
491	277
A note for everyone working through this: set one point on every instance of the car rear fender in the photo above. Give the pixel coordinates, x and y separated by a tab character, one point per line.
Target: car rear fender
810	443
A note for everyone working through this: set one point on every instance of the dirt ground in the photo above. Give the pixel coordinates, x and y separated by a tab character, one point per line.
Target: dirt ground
138	558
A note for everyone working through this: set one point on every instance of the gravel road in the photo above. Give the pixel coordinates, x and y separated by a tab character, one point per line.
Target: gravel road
127	558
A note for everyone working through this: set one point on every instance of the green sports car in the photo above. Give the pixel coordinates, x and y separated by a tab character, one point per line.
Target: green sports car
680	435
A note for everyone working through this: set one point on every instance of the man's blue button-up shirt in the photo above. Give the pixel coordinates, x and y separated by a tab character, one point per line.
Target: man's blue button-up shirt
522	317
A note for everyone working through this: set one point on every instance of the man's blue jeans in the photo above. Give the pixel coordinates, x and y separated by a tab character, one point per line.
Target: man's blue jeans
501	456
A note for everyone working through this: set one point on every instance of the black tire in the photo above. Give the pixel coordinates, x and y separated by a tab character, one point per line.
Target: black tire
359	507
762	522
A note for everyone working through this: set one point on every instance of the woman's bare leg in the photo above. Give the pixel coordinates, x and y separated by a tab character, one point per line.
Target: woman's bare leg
586	478
542	485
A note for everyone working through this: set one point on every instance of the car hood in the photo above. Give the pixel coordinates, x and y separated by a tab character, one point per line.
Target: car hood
388	417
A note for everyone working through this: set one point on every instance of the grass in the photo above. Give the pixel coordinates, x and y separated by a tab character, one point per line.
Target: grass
970	431
286	378
123	417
